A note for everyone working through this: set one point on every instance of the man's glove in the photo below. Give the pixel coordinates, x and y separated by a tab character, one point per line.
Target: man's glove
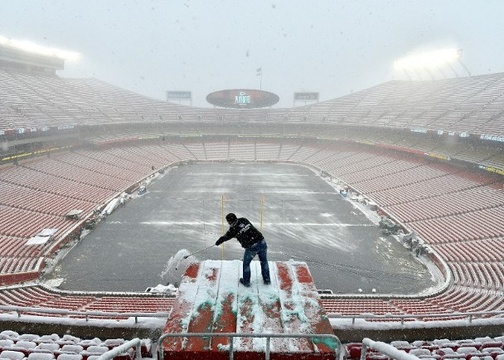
220	241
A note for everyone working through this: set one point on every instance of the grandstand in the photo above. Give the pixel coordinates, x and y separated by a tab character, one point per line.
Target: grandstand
429	154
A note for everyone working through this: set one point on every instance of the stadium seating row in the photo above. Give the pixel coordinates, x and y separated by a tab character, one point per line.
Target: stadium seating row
460	105
465	349
51	346
39	296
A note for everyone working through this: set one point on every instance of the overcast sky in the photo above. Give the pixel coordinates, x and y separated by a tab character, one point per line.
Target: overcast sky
328	46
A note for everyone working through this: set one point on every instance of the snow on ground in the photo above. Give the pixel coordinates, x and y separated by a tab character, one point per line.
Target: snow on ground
259	309
176	266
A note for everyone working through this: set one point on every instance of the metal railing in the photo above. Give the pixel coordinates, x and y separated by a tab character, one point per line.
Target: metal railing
19	310
469	316
338	348
121	349
385	349
86	315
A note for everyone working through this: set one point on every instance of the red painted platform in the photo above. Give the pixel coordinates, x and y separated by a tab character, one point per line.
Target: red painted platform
211	300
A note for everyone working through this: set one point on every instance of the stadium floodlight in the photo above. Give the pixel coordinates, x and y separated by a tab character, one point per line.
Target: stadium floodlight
428	60
31	47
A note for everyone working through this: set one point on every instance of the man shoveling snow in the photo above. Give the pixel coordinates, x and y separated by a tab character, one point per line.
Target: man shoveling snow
252	241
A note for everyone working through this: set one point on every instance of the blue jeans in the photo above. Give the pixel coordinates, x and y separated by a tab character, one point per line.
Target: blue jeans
261	249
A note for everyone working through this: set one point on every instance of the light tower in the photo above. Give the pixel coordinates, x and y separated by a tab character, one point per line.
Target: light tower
429	62
28	56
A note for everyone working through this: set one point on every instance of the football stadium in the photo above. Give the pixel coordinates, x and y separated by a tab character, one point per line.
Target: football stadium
100	184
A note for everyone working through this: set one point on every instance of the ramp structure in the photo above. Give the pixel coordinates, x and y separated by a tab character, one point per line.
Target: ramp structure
216	317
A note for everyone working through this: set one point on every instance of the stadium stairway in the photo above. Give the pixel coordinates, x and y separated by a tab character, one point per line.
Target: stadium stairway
214	314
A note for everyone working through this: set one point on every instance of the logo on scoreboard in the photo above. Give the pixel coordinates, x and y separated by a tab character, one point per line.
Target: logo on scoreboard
242	98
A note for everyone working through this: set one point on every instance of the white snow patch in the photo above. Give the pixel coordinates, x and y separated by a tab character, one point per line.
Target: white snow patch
176	267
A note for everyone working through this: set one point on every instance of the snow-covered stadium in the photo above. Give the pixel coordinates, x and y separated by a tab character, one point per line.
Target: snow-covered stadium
426	155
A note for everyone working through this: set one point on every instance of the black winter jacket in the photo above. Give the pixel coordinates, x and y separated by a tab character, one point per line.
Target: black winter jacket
246	234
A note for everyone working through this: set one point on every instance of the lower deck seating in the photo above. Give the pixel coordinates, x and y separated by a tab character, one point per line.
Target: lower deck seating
53	346
485	347
15	345
46	298
400	182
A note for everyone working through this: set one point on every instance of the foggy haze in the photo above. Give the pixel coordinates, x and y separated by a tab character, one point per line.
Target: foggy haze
330	47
